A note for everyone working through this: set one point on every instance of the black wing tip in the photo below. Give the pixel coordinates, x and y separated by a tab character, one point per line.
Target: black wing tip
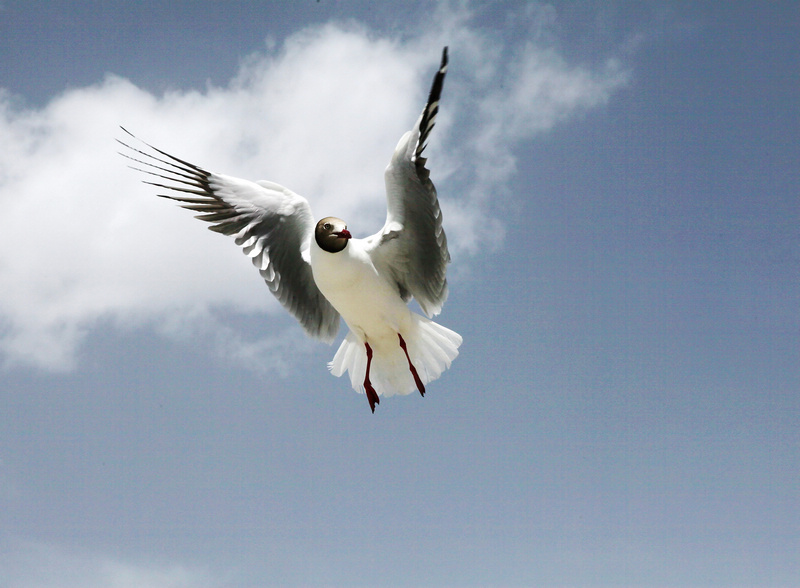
438	79
431	109
171	159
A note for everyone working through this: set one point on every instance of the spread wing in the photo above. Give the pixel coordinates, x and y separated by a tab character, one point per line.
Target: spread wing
271	224
412	246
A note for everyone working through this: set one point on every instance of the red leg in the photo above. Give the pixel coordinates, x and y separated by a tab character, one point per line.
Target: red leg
417	381
372	396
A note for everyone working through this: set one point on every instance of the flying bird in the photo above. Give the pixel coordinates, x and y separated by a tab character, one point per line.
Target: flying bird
319	271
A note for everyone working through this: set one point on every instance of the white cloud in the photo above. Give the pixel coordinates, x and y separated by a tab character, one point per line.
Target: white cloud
82	240
40	565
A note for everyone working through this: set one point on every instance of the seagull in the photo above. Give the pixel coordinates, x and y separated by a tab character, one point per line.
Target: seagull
320	272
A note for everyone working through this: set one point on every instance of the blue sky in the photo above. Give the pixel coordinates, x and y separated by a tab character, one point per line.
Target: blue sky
619	183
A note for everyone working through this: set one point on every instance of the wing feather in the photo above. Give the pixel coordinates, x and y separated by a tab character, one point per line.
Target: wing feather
271	224
412	246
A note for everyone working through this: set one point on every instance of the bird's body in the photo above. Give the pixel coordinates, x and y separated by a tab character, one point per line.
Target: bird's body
320	272
365	299
377	315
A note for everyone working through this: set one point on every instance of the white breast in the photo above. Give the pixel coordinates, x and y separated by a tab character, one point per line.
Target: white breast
368	303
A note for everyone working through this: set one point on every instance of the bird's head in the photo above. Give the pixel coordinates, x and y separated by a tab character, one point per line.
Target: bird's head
332	234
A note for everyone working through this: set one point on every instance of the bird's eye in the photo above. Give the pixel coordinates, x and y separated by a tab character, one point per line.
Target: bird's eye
327	226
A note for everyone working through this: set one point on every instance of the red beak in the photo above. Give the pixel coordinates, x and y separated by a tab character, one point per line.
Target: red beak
344	234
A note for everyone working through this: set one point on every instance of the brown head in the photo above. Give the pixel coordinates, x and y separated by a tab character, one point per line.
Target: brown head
331	234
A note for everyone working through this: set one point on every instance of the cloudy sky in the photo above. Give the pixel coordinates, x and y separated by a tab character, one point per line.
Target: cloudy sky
619	183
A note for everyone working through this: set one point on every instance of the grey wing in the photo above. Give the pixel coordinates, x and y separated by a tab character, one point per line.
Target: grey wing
271	224
412	246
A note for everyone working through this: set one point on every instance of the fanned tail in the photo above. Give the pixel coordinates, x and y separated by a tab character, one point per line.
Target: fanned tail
431	348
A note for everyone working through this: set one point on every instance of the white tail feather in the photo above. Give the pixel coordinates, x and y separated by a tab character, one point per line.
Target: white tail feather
431	347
